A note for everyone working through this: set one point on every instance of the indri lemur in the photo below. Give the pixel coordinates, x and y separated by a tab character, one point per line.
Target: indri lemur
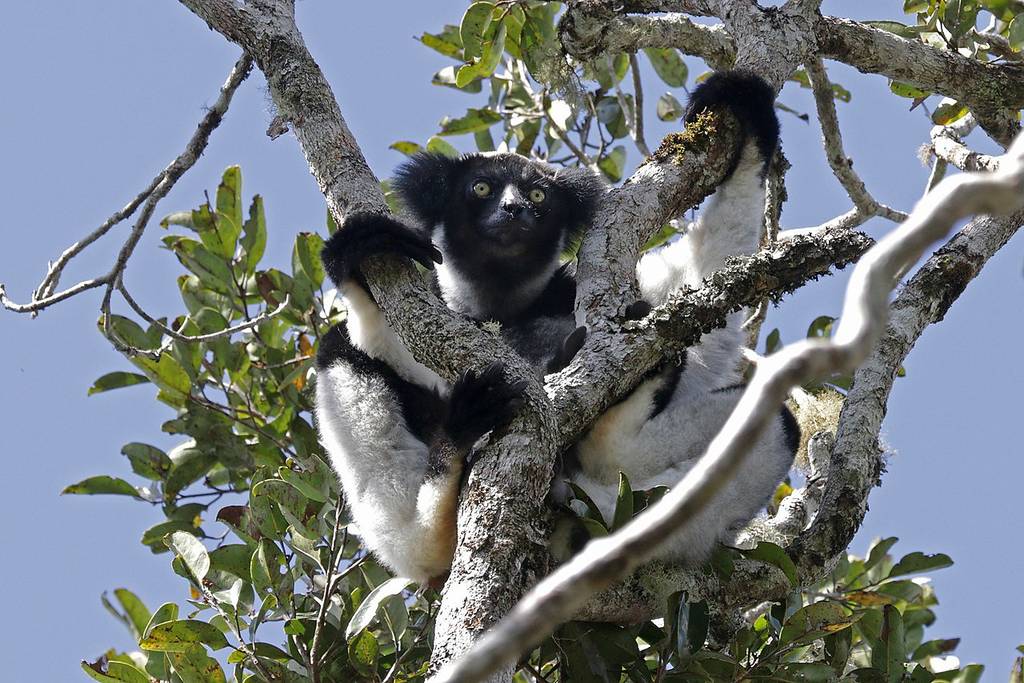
495	225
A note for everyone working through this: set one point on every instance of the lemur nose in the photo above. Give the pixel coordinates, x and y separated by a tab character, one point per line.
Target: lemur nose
513	208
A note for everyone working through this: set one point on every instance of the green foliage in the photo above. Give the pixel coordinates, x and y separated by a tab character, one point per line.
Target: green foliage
253	519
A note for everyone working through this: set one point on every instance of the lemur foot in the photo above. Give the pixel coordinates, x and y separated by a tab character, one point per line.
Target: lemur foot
638	310
749	98
481	402
369	234
567	351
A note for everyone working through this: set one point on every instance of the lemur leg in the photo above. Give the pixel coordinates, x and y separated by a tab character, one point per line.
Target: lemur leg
382	463
400	450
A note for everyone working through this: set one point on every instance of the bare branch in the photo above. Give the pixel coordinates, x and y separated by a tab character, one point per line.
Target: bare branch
638	109
949	148
44	294
606	560
842	165
178	336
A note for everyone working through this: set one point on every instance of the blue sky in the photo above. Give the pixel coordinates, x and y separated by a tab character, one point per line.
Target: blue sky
101	95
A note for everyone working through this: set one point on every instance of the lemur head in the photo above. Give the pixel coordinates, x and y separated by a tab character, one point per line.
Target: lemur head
500	211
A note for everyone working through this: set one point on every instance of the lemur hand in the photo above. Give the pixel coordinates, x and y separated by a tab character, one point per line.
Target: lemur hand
568	349
481	402
369	234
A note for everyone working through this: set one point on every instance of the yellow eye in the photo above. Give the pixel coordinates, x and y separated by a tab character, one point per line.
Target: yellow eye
537	195
481	189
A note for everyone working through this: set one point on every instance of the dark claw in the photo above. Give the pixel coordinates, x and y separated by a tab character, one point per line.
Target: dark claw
481	402
567	351
637	310
366	234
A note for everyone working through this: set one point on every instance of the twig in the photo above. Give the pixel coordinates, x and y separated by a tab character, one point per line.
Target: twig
178	336
842	165
865	312
321	617
638	109
44	295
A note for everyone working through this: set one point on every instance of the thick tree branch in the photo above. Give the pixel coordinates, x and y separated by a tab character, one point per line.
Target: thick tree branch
606	560
591	28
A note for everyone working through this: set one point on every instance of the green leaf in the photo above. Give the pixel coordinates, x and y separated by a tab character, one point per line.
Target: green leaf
774	555
367	609
129	332
102	485
1016	33
195	666
254	239
902	30
405	147
363	652
912	6
186	471
229	211
183	635
472	121
919	562
147	461
815	621
613	165
669	108
232	558
166	612
138	615
471	29
443	43
933	648
116	380
623	503
669	65
948	112
308	246
887	653
442	146
264	566
116	672
192	552
154	535
167	374
907	90
878	551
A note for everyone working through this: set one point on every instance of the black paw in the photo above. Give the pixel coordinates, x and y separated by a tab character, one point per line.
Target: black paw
749	98
481	402
638	310
367	234
567	350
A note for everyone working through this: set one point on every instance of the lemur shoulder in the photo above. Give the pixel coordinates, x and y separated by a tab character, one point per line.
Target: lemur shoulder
492	228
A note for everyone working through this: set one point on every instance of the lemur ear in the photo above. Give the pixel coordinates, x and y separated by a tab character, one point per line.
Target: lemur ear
424	183
584	190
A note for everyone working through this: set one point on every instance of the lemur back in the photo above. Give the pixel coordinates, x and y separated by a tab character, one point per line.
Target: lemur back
492	227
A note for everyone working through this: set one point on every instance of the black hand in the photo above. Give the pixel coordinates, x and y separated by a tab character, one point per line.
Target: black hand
481	402
568	349
367	234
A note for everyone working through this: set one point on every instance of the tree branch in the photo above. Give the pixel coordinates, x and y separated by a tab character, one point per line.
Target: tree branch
44	295
981	86
842	165
606	560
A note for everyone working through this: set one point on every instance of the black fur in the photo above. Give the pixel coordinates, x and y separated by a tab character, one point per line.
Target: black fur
637	310
664	393
490	241
567	350
791	429
370	234
750	99
479	403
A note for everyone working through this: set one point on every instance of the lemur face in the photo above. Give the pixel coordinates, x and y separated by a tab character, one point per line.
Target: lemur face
498	207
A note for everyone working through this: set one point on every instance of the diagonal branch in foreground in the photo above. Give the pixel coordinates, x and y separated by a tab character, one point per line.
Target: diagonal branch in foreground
865	311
